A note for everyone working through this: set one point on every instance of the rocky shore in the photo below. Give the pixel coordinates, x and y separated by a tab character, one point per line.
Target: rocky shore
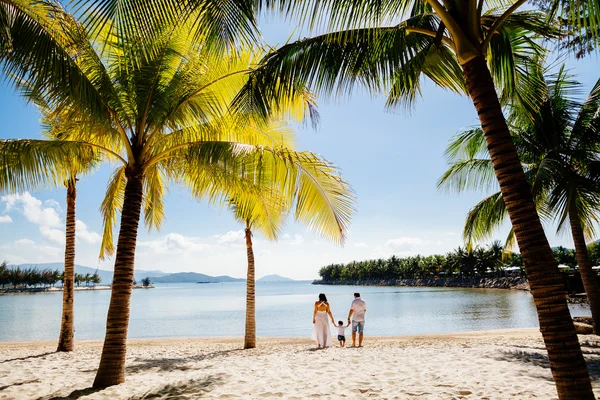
518	283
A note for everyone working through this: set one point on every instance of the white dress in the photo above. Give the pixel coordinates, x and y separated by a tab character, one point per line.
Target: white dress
321	330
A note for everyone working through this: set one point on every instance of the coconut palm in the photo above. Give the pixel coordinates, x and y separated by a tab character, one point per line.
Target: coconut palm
266	210
23	167
158	106
472	47
266	214
558	144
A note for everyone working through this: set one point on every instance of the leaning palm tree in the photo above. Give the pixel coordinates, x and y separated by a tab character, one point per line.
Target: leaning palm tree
470	47
158	106
558	144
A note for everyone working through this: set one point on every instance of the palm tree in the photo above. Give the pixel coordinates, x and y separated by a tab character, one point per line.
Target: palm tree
472	47
266	213
24	166
558	144
322	200
158	105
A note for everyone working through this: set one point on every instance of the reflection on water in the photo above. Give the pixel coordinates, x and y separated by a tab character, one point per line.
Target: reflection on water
283	309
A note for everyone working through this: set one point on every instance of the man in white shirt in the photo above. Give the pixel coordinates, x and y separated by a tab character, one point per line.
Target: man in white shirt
357	313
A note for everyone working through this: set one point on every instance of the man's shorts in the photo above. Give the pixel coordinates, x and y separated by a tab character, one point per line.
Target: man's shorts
341	338
358	326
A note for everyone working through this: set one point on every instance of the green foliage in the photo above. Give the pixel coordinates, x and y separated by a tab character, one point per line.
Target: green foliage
558	144
457	264
146	282
28	277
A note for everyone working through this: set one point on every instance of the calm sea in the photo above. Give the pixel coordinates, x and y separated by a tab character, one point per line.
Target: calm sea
283	309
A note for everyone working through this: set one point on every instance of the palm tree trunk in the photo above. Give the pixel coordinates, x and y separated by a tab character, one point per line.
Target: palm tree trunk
65	340
112	362
566	360
588	276
250	337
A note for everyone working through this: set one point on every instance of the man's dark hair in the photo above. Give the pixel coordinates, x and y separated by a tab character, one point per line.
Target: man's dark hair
356	294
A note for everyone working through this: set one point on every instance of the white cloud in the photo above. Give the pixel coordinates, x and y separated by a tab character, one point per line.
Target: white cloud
298	240
53	204
53	235
24	242
360	244
27	251
231	237
403	243
5	219
32	209
82	233
174	242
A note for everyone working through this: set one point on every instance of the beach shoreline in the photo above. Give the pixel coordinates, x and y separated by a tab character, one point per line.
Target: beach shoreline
497	364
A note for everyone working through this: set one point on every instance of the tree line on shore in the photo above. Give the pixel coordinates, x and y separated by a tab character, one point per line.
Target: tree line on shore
41	278
488	261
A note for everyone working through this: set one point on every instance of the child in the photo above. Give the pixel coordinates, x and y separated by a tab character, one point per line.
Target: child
341	332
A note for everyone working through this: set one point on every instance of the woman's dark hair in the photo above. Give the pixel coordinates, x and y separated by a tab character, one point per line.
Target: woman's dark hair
322	297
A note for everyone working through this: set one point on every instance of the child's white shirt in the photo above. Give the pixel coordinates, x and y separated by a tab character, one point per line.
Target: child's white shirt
341	330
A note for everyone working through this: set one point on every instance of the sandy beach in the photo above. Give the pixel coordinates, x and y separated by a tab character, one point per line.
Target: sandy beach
507	364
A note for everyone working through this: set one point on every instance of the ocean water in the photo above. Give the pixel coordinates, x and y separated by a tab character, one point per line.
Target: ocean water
283	309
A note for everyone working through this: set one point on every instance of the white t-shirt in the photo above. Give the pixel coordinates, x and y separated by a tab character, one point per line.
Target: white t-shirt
359	306
341	330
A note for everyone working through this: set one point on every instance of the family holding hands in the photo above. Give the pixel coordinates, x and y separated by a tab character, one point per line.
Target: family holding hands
322	332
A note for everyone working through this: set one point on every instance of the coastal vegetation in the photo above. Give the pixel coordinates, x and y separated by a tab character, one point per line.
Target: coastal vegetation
480	262
41	278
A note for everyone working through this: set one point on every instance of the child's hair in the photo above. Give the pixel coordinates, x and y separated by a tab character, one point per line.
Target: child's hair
340	323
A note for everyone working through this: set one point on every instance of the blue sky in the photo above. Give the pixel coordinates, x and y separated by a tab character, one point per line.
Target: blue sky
392	160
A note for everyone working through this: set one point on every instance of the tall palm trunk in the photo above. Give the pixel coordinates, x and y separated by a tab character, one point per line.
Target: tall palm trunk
588	276
65	340
112	362
250	337
566	361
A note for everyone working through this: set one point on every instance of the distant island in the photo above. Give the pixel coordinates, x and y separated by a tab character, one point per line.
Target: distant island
194	277
274	278
105	276
154	275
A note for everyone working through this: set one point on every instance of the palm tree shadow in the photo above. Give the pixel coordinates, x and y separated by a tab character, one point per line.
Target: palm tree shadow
18	384
190	389
28	357
178	363
75	394
542	361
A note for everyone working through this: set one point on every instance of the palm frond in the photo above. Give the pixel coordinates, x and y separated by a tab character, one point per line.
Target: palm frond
112	204
34	164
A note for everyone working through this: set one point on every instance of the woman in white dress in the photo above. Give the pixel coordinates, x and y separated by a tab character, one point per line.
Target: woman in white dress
322	330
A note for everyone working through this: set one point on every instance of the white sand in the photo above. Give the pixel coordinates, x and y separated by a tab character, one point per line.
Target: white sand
510	364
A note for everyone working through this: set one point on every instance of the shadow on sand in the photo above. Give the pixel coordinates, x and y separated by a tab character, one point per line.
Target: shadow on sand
75	394
542	361
28	357
190	389
179	363
18	384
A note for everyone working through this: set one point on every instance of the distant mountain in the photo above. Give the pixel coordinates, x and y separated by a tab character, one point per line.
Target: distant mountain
274	278
194	277
106	276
